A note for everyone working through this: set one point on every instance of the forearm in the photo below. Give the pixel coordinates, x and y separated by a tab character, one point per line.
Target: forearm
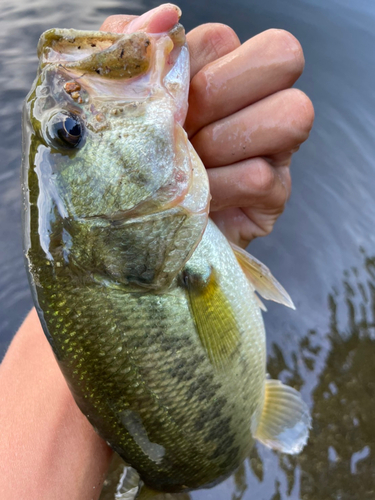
48	448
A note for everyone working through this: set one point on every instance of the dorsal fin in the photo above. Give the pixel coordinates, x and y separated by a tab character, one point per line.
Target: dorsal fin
261	278
285	421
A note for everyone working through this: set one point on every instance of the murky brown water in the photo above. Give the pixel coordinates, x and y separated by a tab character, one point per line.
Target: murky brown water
322	249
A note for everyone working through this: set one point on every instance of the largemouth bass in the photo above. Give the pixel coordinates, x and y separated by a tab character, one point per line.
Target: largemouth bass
150	311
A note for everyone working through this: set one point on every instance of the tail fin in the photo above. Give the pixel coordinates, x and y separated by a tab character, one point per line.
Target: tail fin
285	419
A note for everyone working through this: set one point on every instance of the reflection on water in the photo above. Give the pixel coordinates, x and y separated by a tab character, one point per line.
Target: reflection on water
337	463
338	460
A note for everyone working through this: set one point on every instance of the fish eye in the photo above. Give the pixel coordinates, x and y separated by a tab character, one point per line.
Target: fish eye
65	129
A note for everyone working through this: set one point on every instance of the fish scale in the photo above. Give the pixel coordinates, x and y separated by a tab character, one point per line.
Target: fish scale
132	320
149	310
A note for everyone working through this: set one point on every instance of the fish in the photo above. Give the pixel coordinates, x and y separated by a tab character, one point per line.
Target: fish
152	314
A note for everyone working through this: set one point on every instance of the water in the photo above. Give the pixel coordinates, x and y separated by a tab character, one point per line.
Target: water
322	249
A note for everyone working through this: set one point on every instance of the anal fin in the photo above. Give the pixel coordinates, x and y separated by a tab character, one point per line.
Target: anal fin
131	487
146	493
285	419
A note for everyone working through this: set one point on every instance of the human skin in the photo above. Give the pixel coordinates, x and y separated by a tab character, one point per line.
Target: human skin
245	122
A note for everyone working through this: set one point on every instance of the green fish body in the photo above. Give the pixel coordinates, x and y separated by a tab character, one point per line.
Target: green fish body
149	310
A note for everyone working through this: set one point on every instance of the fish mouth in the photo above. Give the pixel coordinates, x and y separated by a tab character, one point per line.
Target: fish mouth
110	66
109	55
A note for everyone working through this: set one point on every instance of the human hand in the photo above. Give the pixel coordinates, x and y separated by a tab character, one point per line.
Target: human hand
244	120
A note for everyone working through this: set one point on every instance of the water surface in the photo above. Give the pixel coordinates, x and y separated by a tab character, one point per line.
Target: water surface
322	249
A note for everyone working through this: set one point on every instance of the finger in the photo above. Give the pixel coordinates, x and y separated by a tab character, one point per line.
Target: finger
241	225
265	64
209	42
250	183
236	226
281	159
117	24
157	20
278	123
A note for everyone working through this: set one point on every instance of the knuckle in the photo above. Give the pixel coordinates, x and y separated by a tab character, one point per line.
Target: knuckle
197	91
260	229
290	49
288	185
220	39
204	145
303	113
113	17
215	41
109	22
264	178
116	22
266	229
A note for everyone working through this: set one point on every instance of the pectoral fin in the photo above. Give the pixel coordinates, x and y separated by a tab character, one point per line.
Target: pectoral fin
214	318
285	420
261	278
